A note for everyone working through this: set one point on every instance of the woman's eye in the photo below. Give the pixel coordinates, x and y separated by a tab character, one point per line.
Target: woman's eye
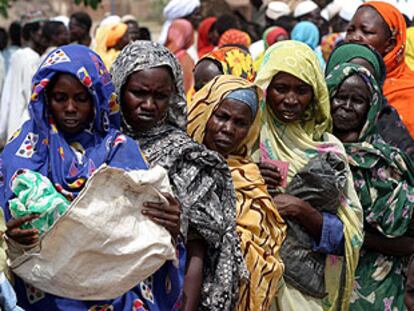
280	88
59	97
242	124
161	97
303	91
83	98
139	93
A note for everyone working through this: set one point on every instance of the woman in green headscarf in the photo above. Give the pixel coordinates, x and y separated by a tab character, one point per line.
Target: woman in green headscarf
384	181
390	125
296	124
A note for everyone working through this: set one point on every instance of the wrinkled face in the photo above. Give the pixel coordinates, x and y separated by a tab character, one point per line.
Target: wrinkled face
350	105
70	104
62	38
367	26
146	96
205	71
77	30
228	126
288	97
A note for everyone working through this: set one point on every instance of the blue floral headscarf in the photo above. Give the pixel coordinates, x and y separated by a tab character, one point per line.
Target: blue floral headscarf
69	160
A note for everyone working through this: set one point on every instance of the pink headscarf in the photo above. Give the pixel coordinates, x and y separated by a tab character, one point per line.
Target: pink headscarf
180	36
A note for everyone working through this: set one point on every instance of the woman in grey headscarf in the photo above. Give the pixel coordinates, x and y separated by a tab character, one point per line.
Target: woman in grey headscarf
149	82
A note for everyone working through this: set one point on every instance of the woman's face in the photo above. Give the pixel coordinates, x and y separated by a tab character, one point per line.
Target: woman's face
146	96
288	97
205	71
228	126
367	26
350	105
70	104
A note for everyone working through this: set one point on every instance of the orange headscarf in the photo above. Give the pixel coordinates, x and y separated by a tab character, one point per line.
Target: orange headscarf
204	45
399	83
235	37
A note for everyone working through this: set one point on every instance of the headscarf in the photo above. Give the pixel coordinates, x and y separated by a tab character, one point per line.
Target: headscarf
399	84
306	32
300	141
235	37
270	37
304	8
115	33
276	9
384	181
204	45
180	36
176	9
328	44
409	52
200	178
106	29
233	61
259	225
272	34
41	147
346	52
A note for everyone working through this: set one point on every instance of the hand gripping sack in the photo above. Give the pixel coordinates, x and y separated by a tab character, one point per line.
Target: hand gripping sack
102	246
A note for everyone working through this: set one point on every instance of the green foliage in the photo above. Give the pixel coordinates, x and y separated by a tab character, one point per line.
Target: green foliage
92	3
3	8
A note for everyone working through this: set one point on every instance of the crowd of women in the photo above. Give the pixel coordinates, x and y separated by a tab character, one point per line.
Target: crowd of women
290	163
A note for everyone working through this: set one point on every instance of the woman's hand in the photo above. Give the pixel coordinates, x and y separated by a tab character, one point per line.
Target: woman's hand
166	215
271	175
302	212
22	236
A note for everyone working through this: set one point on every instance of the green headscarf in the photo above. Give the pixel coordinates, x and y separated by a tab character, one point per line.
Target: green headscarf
349	51
383	175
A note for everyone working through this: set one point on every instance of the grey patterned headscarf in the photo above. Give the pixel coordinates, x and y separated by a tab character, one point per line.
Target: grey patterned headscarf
140	55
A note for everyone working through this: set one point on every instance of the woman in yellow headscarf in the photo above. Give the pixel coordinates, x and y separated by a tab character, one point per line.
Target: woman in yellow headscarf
296	124
225	116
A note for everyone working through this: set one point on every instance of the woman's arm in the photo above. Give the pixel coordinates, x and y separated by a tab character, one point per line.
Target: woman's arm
196	250
326	229
401	246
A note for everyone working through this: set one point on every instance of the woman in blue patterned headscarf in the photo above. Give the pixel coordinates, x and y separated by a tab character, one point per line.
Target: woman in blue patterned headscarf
73	130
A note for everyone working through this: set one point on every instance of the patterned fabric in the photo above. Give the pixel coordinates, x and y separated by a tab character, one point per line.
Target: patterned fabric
260	227
384	181
390	126
272	34
299	142
328	44
234	61
69	160
36	195
399	84
200	179
235	37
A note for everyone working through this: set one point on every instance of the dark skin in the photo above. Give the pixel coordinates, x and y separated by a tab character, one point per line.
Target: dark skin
349	109
144	101
133	30
37	42
195	17
316	18
71	106
367	26
288	97
228	126
63	37
205	71
79	33
123	42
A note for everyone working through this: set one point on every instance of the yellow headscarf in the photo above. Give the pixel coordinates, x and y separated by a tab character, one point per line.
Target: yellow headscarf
260	227
300	141
409	51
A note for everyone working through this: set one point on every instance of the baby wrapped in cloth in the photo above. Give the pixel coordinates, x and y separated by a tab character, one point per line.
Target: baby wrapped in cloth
319	183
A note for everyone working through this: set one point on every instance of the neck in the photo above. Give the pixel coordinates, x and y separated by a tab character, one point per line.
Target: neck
85	41
36	47
346	136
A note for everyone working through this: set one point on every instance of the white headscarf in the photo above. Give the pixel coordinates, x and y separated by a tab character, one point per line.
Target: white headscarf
304	8
176	9
276	9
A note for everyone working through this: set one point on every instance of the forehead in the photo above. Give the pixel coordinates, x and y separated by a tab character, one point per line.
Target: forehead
159	76
287	78
355	84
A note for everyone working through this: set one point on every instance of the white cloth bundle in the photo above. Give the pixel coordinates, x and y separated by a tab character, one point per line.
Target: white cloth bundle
102	246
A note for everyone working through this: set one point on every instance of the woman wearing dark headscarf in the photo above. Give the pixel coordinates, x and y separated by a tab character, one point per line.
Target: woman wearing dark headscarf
149	80
390	126
384	181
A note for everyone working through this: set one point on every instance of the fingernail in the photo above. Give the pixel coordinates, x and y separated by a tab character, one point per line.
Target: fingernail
144	211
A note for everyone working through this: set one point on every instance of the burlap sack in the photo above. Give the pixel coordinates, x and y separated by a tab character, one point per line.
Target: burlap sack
103	245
